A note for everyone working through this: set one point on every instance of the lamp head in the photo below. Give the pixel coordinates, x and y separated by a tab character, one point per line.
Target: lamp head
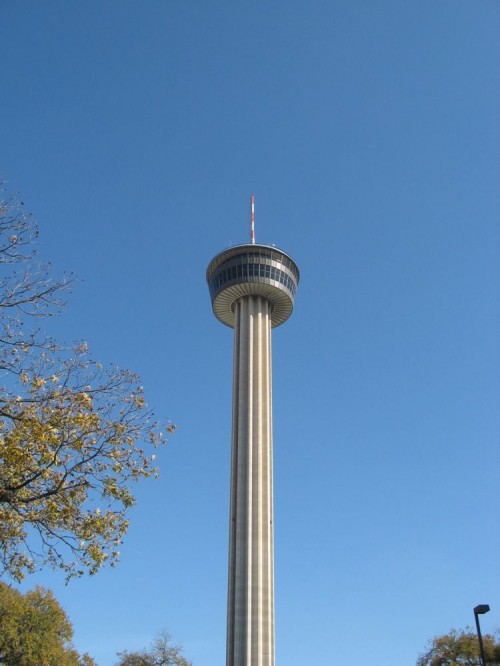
481	609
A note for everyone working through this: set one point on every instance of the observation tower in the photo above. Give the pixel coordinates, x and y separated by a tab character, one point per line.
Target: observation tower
252	288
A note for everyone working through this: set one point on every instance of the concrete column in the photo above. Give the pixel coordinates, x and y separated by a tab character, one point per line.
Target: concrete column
250	622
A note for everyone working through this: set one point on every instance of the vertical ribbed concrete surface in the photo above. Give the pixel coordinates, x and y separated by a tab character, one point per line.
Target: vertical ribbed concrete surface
250	630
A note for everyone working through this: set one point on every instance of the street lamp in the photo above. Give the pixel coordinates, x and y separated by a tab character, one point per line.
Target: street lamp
480	610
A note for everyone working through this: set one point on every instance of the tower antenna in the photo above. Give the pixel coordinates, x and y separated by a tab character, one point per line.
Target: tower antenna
252	219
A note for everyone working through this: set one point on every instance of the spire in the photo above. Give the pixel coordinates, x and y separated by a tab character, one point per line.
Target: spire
252	219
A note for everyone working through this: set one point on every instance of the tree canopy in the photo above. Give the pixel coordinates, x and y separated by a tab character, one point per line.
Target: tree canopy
460	648
73	434
161	653
35	630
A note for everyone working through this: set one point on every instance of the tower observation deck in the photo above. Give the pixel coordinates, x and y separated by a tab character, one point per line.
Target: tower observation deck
252	288
252	270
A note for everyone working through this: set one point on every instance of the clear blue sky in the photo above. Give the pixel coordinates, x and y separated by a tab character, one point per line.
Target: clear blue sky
369	132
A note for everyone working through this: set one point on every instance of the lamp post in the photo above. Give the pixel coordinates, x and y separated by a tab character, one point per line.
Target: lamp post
480	610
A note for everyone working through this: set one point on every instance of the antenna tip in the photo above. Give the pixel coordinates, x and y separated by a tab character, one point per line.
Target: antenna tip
252	218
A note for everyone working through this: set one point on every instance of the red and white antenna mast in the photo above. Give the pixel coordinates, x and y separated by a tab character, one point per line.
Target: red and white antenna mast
252	219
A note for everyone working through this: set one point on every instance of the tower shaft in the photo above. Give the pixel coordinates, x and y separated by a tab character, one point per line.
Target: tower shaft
250	622
252	289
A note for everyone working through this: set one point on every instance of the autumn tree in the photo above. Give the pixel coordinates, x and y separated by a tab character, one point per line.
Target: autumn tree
161	653
35	630
460	648
73	434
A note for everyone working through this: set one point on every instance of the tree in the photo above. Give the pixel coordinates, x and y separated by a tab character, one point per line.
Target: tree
71	431
35	630
161	653
460	648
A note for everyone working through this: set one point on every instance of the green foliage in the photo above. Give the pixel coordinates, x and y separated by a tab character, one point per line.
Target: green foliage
161	653
35	630
460	648
71	431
